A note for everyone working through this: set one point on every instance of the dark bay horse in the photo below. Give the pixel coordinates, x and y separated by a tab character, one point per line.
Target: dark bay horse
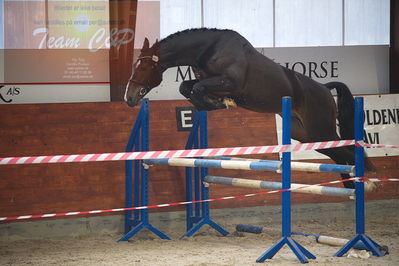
229	71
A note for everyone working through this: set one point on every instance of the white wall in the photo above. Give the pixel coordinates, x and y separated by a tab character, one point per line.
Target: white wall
265	23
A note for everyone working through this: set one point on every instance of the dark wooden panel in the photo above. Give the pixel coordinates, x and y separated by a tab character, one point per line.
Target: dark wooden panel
121	56
394	48
48	129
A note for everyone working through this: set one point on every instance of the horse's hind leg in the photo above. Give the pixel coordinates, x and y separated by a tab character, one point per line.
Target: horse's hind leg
346	155
342	155
320	125
324	130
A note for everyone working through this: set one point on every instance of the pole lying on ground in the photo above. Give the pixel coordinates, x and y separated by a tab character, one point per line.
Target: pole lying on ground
327	240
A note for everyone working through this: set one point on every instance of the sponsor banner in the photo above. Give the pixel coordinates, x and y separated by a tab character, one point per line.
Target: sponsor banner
53	93
365	69
56	66
60	51
381	124
60	25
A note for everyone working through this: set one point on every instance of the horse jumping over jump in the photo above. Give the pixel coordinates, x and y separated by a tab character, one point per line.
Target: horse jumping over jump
229	71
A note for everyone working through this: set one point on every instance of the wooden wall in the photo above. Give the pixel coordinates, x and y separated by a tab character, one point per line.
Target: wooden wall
50	129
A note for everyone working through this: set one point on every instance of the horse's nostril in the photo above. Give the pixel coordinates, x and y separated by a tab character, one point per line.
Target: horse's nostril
130	101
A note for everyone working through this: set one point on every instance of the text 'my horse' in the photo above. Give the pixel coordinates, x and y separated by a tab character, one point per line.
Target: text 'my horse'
228	70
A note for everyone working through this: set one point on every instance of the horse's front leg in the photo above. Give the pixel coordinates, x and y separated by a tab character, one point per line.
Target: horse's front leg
199	101
186	87
203	90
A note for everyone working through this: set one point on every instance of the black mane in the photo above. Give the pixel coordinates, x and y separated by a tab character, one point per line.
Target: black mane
183	32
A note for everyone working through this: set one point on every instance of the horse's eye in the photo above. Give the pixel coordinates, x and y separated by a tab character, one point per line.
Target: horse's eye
143	91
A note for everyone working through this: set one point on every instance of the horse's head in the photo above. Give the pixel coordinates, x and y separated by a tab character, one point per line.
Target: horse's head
146	74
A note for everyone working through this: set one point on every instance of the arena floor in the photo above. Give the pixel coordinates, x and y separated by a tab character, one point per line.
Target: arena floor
208	247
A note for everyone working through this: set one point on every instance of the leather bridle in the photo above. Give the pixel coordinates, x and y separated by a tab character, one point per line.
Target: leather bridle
146	87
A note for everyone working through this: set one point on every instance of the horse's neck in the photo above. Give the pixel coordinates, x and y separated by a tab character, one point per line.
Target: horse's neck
183	50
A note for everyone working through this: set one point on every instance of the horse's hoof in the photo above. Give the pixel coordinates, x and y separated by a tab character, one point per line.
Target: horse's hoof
228	102
372	186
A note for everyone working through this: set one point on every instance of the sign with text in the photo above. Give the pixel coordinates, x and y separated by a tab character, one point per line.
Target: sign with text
63	25
381	126
57	43
185	118
365	69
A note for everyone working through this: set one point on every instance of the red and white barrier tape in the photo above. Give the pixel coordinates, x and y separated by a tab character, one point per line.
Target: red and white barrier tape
121	156
381	146
50	215
367	145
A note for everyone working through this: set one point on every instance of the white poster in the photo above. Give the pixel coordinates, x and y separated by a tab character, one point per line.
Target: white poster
364	69
58	51
381	124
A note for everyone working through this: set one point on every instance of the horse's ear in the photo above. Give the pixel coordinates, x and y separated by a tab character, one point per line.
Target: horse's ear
156	45
146	44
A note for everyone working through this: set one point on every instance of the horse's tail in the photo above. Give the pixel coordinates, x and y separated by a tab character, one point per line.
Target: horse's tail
346	109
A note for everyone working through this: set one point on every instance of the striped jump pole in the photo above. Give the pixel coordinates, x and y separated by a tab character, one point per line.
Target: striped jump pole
223	164
260	165
241	182
302	253
301	166
360	212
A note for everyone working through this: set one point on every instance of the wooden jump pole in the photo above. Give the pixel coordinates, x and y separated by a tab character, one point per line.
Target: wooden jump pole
241	182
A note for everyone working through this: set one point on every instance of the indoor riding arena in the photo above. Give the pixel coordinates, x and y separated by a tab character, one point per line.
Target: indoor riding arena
199	132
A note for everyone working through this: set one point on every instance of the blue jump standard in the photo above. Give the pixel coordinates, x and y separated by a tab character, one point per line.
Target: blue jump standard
360	213
302	253
198	214
138	220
